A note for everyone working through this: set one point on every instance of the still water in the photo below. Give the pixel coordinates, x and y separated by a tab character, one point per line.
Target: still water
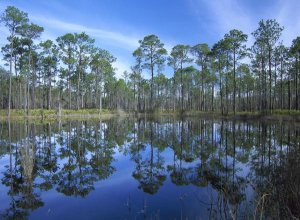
141	168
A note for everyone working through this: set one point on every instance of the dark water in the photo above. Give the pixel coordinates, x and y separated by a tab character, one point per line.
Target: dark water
149	169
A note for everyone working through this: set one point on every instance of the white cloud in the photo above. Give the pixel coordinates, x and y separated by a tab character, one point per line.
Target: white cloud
3	41
288	16
121	66
3	35
229	14
119	41
107	36
225	15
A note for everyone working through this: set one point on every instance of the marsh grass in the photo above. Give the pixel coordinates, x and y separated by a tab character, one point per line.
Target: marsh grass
44	114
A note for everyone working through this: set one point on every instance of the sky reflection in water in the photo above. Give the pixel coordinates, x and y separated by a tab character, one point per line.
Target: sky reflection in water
163	168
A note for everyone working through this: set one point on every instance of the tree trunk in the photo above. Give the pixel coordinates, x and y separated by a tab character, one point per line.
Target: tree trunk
28	87
10	74
78	90
270	82
296	83
181	85
234	83
49	91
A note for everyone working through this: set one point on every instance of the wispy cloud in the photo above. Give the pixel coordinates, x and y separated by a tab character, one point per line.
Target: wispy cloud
119	41
120	66
229	14
107	36
124	43
3	35
225	15
288	16
221	16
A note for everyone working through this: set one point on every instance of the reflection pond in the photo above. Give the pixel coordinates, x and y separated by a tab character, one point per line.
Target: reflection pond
141	168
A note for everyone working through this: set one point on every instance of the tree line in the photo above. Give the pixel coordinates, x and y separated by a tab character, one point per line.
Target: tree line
72	73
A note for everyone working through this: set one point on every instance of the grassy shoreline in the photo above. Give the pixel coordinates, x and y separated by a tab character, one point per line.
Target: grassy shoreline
43	114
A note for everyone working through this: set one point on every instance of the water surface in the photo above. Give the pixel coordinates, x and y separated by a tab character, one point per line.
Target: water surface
166	168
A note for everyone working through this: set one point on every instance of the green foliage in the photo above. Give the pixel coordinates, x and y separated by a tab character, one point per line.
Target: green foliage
13	18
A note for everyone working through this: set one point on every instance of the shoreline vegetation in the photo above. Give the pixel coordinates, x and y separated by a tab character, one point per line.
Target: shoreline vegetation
44	114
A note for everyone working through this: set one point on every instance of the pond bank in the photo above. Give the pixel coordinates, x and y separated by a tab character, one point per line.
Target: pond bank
42	114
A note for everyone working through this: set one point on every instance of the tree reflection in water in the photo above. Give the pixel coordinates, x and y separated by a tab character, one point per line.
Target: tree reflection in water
250	169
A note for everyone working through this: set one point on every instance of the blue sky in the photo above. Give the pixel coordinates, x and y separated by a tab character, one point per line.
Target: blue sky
117	25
